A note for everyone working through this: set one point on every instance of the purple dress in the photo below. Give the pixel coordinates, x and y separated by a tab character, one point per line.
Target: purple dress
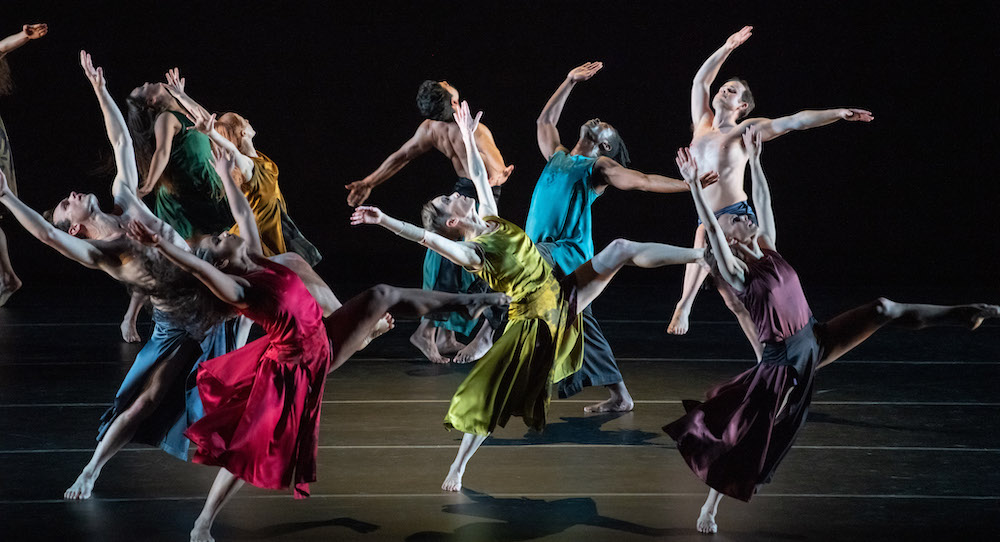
735	439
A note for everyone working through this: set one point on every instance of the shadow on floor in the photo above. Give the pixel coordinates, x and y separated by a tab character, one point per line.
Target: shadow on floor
282	529
582	430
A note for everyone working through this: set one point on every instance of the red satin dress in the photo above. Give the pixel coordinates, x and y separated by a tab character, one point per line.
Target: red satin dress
262	401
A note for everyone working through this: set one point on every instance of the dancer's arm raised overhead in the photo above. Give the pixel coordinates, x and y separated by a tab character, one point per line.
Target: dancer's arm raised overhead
477	168
176	86
28	32
733	269
228	288
760	190
238	204
701	92
547	133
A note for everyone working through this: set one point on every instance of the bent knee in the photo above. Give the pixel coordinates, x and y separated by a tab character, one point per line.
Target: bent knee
381	292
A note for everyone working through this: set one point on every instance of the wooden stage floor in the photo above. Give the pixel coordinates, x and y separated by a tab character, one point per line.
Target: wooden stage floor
902	444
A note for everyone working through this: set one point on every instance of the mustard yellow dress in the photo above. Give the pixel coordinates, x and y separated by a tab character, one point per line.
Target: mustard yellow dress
542	344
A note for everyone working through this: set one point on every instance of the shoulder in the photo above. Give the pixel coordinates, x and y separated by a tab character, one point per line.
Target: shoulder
169	120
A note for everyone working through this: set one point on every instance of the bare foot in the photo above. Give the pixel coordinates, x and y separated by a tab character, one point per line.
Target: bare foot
679	322
201	532
478	347
447	343
614	404
383	326
480	302
427	346
982	312
81	488
706	523
10	285
130	333
453	482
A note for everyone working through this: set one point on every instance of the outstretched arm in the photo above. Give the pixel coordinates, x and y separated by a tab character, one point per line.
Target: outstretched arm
477	169
28	32
458	252
803	120
421	142
238	204
732	268
759	188
226	287
73	248
624	178
548	135
701	101
175	85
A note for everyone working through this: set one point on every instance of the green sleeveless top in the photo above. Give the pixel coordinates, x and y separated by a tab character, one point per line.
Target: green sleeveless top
190	196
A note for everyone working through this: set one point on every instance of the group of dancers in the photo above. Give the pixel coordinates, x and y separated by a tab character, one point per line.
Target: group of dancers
219	243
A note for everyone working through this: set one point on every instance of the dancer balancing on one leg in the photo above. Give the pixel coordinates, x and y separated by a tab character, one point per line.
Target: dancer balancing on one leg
255	174
543	340
735	440
9	281
435	336
560	224
262	402
719	123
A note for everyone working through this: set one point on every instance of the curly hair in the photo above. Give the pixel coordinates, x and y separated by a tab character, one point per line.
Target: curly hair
434	102
619	152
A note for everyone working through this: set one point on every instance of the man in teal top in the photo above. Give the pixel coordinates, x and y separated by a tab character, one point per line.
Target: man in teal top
559	220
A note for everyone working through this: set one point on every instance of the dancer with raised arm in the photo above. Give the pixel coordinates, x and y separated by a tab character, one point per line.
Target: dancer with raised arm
151	405
735	440
543	340
262	402
255	174
560	224
9	281
438	101
719	123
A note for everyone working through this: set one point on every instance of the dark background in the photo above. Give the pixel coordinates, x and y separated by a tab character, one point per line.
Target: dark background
904	204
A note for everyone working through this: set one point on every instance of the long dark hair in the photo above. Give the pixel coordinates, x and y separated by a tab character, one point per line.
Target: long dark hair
184	299
6	81
141	119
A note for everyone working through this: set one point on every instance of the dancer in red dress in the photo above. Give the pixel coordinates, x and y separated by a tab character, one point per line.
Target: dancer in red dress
735	440
262	402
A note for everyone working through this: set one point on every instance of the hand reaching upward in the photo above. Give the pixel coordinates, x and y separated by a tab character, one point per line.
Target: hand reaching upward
752	142
175	83
584	71
687	165
95	75
739	38
466	123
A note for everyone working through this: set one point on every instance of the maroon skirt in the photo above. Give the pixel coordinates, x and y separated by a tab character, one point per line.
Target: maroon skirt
735	439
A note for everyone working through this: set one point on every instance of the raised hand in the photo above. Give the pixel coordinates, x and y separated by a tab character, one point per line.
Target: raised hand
466	123
175	83
223	160
139	232
366	214
687	165
752	142
584	71
708	179
35	31
856	115
358	192
203	122
95	75
739	38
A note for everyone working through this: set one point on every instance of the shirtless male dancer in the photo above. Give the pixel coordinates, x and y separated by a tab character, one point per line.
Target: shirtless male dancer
438	102
719	124
560	224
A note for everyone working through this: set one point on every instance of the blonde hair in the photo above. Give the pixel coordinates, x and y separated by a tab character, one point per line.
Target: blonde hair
435	220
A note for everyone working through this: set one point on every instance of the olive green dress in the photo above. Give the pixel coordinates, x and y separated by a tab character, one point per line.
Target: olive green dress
542	343
190	196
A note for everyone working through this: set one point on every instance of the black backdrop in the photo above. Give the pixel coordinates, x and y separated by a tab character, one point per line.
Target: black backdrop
909	199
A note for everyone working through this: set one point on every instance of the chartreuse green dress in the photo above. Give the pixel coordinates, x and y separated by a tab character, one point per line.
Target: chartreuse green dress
542	343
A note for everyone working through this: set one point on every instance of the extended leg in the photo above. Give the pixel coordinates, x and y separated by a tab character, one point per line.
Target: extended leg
350	325
126	424
225	486
9	282
849	329
694	275
470	443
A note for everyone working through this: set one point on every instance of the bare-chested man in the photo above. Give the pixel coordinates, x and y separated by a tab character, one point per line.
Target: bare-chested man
438	101
719	123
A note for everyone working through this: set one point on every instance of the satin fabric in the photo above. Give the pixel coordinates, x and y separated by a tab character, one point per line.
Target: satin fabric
262	402
541	344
